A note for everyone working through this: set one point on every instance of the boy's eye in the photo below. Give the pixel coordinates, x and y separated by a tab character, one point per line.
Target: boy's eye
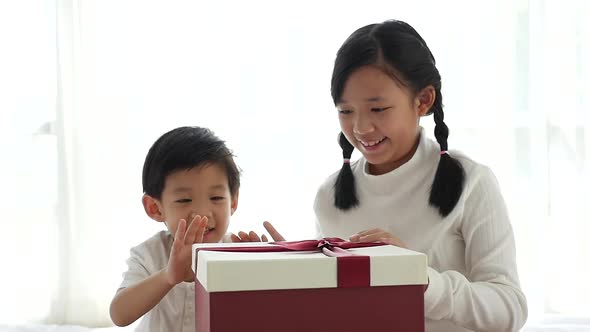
184	200
379	109
344	112
217	198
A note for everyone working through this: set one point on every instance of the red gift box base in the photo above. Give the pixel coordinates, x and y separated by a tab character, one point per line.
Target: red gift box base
386	308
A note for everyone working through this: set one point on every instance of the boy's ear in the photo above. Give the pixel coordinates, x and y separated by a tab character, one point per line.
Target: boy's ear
234	202
425	99
152	208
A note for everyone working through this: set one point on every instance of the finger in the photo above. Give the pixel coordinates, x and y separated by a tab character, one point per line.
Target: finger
244	237
180	230
254	237
264	238
192	230
200	234
235	238
193	217
374	237
356	237
370	231
273	232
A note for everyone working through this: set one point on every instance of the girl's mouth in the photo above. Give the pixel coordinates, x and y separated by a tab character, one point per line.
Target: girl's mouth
373	144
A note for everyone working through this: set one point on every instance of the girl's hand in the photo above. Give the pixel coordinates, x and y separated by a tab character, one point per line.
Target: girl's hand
179	265
377	234
253	237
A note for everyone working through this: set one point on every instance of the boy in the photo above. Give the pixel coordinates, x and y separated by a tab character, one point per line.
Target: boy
190	184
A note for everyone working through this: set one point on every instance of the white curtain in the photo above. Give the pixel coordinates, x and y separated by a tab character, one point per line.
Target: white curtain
87	86
29	247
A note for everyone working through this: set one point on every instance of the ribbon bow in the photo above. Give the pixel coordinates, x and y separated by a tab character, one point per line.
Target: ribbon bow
330	246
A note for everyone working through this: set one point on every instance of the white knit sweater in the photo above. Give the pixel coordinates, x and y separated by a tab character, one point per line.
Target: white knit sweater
474	282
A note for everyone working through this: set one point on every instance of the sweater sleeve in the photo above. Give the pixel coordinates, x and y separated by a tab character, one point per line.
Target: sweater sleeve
137	268
488	297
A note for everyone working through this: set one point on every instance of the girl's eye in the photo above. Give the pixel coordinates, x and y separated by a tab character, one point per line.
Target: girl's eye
184	200
379	110
344	111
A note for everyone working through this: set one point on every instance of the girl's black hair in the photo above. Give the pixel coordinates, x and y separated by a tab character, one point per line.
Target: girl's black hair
396	48
345	180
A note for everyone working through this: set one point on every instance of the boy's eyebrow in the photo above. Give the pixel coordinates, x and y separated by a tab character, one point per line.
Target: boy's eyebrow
189	189
218	186
182	189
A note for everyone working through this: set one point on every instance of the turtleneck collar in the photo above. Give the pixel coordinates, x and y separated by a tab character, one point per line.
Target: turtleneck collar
418	166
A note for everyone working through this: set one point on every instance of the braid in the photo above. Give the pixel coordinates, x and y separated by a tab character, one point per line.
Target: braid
441	131
450	176
344	188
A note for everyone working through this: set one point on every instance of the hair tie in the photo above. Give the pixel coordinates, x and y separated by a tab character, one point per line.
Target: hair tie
444	152
346	160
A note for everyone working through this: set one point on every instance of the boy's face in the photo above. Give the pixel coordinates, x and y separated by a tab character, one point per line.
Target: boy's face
200	191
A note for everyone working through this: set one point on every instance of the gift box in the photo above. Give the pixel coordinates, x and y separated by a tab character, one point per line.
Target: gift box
308	286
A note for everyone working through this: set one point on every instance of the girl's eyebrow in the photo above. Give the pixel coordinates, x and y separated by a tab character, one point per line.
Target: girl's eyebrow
370	100
374	99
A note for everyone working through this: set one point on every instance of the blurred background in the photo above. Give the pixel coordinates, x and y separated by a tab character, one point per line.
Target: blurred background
87	86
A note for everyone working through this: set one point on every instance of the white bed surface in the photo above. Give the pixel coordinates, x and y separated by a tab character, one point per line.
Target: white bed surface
63	328
60	328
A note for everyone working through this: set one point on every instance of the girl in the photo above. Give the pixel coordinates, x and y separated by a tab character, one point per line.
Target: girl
410	191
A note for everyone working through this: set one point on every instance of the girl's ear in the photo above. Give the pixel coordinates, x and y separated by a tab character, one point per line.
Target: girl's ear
424	100
153	208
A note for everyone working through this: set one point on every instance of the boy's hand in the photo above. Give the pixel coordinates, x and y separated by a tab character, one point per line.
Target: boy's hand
179	265
377	234
253	237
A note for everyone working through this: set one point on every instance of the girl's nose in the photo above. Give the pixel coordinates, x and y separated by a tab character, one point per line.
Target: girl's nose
363	126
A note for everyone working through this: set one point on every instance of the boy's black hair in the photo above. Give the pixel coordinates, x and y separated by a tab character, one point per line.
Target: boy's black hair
185	148
399	51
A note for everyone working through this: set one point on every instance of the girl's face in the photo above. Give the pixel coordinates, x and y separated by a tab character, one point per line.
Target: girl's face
380	117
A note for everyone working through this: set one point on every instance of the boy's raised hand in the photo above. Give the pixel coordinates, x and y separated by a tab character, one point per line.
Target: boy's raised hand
253	237
179	265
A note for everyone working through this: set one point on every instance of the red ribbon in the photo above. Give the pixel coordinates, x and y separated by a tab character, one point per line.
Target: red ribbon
353	270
